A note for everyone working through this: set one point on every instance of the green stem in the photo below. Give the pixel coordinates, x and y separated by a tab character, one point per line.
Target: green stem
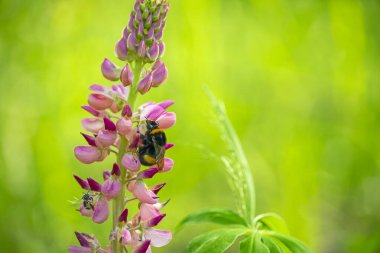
118	203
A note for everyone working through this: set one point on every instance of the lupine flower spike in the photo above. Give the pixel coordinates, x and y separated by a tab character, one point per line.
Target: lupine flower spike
134	134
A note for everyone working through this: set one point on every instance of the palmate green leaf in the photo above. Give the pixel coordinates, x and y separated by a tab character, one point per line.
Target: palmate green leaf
273	222
272	245
253	244
216	216
294	245
216	241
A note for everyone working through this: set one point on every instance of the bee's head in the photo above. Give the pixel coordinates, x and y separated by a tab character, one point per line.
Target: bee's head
151	125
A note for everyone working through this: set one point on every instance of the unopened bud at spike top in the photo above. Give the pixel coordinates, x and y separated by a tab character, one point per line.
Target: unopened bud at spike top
121	49
110	71
126	76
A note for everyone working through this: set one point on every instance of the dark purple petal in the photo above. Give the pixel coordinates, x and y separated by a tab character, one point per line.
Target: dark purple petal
155	189
90	139
109	125
82	240
149	173
95	186
123	216
169	145
116	170
155	221
83	183
142	248
90	110
101	211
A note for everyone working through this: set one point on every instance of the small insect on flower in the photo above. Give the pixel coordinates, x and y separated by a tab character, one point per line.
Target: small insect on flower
88	201
151	149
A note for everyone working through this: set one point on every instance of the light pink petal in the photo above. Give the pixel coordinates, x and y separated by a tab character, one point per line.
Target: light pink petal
152	112
86	212
166	120
124	126
166	103
126	237
168	165
105	138
101	211
148	212
97	88
87	154
93	125
158	238
130	162
111	188
99	101
145	195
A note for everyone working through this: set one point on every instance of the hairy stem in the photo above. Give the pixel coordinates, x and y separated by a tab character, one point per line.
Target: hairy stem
118	203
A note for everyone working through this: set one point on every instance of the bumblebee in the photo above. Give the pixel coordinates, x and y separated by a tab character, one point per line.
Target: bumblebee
151	149
88	201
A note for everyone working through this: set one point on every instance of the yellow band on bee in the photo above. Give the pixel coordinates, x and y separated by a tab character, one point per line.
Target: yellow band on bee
149	159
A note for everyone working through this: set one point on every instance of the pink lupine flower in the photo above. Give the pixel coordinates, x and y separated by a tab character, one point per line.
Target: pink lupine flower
101	211
126	76
111	187
145	84
142	247
166	120
99	102
140	191
131	162
158	113
160	74
106	137
126	237
121	49
87	154
148	211
124	126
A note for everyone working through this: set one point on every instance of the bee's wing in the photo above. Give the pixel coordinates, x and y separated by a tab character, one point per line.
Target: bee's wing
160	154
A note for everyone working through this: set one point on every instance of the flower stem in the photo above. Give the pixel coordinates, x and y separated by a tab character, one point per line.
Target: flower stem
118	203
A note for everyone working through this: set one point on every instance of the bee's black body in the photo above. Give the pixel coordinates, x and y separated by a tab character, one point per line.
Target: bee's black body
87	201
151	149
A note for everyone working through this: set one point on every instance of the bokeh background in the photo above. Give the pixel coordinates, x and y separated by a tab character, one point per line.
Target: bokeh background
300	80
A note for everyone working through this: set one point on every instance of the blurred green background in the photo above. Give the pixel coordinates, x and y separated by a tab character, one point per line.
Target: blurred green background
300	80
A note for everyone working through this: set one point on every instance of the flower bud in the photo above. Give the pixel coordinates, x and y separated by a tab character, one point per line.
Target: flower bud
148	22
126	76
106	174
111	188
166	120
131	22
121	49
132	41
123	216
149	173
168	146
109	70
130	162
101	211
162	49
150	35
158	34
127	111
160	75
116	170
140	32
154	221
155	189
87	154
141	50
99	102
153	51
145	84
93	125
124	126
83	241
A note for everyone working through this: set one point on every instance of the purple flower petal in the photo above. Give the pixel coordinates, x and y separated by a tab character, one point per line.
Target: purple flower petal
95	186
83	183
109	125
149	173
101	211
79	249
82	240
116	170
91	110
158	238
166	103
123	216
111	188
90	139
142	248
87	154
